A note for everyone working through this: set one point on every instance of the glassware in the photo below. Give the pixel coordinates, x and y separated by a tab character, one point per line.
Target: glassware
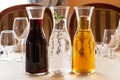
20	28
8	42
83	42
111	41
118	27
60	43
36	44
98	48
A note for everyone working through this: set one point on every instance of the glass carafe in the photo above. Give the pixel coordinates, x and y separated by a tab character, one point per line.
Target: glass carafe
60	43
36	43
83	42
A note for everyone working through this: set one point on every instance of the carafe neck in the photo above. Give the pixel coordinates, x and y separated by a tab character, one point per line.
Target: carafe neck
36	23
83	23
36	27
59	14
61	25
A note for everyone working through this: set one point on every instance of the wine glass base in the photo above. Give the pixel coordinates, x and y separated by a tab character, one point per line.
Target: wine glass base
20	60
4	57
110	57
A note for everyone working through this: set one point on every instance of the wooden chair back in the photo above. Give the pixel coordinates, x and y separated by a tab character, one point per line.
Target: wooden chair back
104	16
7	17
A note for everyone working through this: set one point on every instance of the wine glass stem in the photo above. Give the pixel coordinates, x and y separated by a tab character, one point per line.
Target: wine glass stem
22	50
111	54
5	54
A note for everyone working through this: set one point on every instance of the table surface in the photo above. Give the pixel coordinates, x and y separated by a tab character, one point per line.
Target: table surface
106	69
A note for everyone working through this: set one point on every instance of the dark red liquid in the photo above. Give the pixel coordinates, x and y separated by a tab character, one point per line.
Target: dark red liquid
36	48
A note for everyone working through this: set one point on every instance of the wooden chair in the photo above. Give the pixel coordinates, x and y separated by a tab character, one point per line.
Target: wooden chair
7	17
104	16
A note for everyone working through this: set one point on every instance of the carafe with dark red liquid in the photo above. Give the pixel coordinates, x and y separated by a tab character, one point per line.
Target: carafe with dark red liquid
36	43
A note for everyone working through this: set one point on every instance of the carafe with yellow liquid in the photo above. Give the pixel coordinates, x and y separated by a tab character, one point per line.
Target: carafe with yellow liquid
83	42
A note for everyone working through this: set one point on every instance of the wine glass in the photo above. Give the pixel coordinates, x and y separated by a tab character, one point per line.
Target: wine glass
20	28
98	48
111	41
7	42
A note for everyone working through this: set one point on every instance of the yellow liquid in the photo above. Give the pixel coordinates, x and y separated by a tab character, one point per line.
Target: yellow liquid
83	49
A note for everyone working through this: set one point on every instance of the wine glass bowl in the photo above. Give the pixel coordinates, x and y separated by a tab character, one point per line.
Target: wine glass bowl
20	27
7	42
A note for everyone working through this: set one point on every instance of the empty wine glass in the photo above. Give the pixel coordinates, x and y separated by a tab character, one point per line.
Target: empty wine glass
20	28
98	48
7	42
111	41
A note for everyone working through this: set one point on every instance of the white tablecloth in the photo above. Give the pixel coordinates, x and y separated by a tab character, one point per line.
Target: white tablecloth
106	69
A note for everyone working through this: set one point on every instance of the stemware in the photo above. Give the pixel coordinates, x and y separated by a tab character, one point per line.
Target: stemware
20	28
98	48
7	42
111	41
